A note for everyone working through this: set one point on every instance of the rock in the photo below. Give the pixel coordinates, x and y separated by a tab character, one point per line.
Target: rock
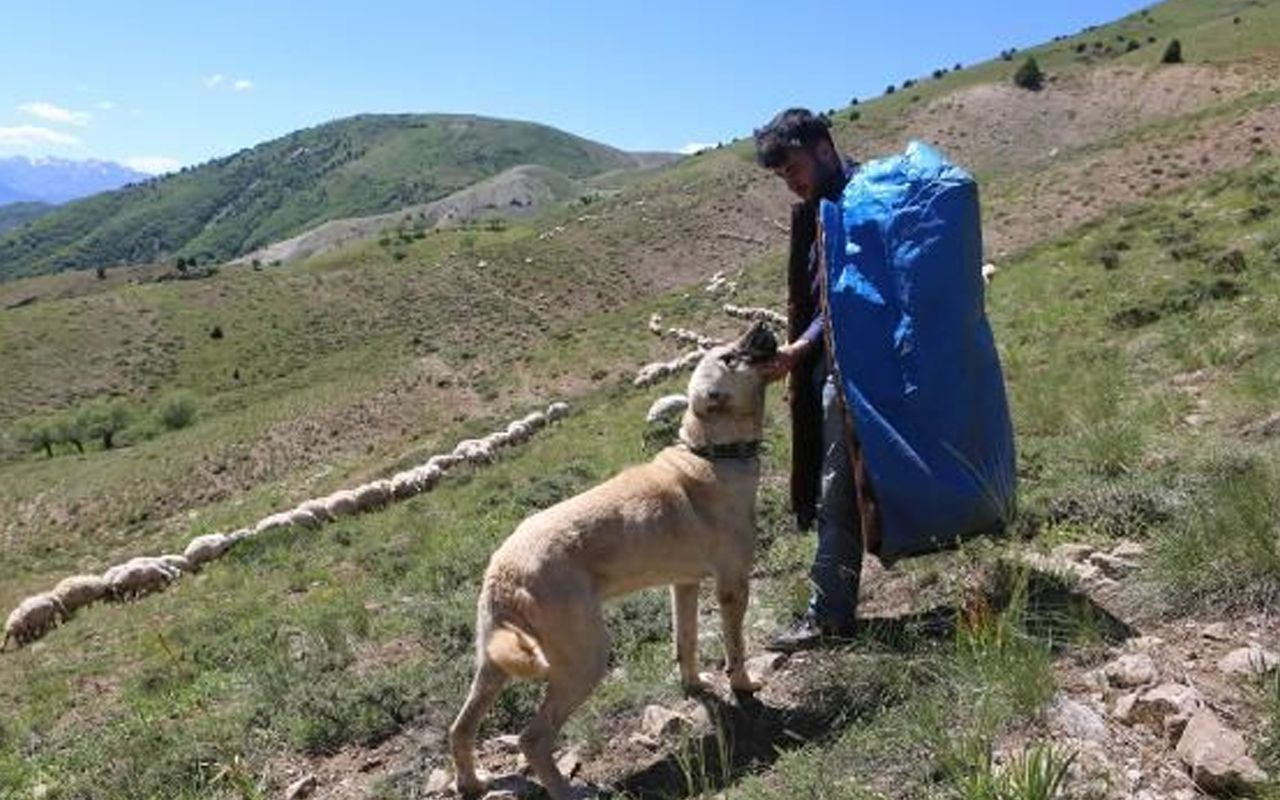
501	794
1132	670
1077	720
645	740
1128	550
1123	709
1166	707
1217	757
662	722
569	763
1217	631
765	664
1251	660
1072	551
303	787
438	782
1111	566
507	743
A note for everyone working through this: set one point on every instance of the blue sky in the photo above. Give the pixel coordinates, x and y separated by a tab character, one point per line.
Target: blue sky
161	84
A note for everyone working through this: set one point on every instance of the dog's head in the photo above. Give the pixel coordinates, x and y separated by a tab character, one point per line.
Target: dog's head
728	381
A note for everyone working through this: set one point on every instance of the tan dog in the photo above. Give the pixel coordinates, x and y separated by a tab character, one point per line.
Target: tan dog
686	515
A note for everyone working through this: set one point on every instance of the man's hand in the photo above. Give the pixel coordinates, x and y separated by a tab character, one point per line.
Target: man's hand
785	360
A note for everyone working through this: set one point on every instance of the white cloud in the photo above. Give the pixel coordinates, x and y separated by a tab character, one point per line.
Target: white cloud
51	113
31	136
695	147
105	105
153	165
215	80
243	85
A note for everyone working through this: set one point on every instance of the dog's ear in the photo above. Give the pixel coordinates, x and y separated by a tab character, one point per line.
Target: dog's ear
758	343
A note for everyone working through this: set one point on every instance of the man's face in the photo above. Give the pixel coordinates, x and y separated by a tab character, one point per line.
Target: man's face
809	173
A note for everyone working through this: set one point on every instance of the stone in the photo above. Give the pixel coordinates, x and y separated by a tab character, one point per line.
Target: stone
1111	566
1128	550
1217	757
1077	720
1167	707
438	782
507	743
303	787
1123	709
1127	672
659	722
1072	551
569	763
644	740
1217	631
1251	660
765	664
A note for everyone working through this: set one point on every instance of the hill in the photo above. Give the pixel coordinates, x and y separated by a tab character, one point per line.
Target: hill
14	214
353	167
1131	207
58	180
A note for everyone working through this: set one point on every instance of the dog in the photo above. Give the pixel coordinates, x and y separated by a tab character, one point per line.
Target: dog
686	515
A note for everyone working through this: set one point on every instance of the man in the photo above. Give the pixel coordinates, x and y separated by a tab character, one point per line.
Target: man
797	146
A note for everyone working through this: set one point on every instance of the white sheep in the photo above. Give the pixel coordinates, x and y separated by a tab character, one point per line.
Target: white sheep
655	323
373	495
33	618
989	273
474	451
302	518
137	578
273	522
341	503
666	406
181	563
496	440
206	548
317	508
79	591
518	432
557	411
536	420
428	475
405	484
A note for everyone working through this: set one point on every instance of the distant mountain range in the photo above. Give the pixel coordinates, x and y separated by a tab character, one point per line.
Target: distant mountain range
59	180
355	167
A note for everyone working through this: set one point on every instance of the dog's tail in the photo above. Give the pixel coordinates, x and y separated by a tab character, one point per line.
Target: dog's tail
517	653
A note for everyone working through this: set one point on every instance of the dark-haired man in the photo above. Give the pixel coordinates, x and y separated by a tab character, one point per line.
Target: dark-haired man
797	146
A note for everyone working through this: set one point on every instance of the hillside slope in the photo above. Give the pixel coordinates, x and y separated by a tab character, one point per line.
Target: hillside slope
353	167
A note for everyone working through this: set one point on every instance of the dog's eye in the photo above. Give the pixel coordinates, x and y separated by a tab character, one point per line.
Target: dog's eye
729	359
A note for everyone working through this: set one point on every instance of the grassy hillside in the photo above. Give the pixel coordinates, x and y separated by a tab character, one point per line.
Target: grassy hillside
352	167
14	214
1132	208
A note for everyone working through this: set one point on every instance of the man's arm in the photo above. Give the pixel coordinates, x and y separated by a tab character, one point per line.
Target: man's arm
785	360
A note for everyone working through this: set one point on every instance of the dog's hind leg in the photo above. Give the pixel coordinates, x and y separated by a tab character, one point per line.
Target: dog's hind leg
684	616
488	681
577	663
732	593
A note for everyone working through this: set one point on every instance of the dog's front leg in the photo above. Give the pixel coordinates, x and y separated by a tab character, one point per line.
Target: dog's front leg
732	591
684	615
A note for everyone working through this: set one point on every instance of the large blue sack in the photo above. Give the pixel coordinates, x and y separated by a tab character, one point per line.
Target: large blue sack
921	376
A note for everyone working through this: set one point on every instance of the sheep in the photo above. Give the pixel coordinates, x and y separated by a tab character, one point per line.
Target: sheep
762	314
655	323
341	503
274	522
406	484
373	496
318	509
33	618
136	578
78	591
666	406
518	432
989	273
651	373
181	563
443	462
302	518
557	411
429	475
496	440
474	451
237	536
536	420
203	549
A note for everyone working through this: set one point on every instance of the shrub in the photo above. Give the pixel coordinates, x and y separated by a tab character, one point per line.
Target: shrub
890	89
103	419
1029	75
1133	44
39	434
1172	53
177	411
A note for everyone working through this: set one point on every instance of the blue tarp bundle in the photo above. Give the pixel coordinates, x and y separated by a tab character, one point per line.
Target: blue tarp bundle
922	379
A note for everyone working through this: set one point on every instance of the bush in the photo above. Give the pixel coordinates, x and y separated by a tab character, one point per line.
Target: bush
103	419
39	434
1172	53
177	411
1029	75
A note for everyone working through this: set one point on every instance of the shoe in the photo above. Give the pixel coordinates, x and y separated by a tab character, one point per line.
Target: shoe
807	633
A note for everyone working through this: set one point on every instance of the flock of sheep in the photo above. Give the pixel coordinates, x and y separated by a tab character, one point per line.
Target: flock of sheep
657	371
37	615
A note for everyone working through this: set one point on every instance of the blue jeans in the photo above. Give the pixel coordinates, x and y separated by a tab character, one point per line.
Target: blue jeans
837	566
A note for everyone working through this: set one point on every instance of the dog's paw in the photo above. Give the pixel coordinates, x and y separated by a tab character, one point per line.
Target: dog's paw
699	685
745	685
472	787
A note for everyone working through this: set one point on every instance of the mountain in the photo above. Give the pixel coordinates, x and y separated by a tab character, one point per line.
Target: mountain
14	214
58	180
360	166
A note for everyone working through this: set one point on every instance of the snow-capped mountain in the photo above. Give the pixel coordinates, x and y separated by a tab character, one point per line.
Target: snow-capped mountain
57	180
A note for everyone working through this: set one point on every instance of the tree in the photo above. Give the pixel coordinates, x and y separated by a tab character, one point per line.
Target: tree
38	434
1172	53
67	428
103	419
1029	75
